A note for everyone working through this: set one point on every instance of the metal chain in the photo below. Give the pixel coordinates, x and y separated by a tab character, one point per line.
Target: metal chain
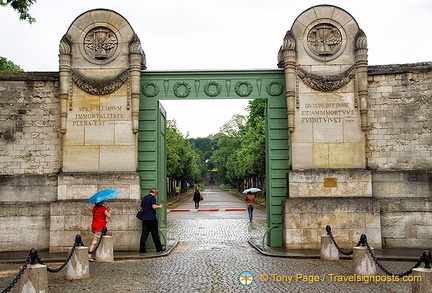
104	231
63	265
33	258
328	229
18	276
78	242
377	262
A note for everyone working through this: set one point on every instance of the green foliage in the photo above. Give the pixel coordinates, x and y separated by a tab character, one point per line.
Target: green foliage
240	150
237	151
22	6
205	145
6	65
184	162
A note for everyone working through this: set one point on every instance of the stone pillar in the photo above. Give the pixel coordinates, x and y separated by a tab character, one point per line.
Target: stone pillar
136	64
362	84
424	282
100	63
65	79
34	279
78	266
363	264
324	56
289	65
328	249
105	252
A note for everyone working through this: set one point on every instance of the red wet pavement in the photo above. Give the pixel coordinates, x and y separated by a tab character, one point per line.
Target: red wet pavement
216	204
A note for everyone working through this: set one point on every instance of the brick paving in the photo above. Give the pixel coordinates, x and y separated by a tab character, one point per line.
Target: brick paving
212	251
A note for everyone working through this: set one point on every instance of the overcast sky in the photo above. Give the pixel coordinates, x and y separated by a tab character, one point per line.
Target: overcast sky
210	34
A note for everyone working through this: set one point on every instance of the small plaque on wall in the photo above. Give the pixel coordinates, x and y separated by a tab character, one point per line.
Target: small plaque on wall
330	182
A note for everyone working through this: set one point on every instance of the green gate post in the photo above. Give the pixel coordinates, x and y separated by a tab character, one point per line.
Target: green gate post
266	84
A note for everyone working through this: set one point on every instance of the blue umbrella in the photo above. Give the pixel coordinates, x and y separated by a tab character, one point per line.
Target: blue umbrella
104	195
253	190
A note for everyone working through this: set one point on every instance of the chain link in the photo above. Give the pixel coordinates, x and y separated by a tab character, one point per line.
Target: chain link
34	258
18	276
335	244
104	231
387	272
63	265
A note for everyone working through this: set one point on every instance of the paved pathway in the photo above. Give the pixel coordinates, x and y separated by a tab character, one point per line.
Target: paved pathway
216	205
213	251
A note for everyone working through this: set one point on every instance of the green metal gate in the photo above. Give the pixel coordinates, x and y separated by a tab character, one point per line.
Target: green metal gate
264	84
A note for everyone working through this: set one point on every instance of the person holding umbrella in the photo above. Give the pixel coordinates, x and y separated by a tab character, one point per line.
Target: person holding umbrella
100	216
250	201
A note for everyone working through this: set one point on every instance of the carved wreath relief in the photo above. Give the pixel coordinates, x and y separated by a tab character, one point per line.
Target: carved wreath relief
324	39
100	43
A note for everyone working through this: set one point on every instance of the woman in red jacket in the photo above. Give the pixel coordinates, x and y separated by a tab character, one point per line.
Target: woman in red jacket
100	214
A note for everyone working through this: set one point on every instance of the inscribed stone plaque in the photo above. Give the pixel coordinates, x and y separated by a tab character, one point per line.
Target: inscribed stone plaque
330	182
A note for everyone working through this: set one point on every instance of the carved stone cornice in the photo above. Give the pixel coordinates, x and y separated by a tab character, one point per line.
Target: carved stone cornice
99	87
326	83
360	40
135	48
65	45
289	42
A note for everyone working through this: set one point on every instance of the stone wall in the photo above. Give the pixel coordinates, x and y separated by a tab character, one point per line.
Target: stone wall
29	123
30	157
399	134
398	158
399	151
305	220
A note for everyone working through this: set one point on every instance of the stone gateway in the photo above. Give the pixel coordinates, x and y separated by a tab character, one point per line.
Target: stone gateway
351	149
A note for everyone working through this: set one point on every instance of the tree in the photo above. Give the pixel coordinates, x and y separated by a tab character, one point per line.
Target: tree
22	6
205	145
240	150
184	162
6	65
225	155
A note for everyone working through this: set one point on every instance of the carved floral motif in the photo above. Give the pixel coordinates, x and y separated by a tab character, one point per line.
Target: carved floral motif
324	39
99	87
100	43
326	83
150	89
212	93
239	91
181	93
274	88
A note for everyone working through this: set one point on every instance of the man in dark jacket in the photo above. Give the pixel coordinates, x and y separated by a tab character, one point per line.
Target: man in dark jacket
149	221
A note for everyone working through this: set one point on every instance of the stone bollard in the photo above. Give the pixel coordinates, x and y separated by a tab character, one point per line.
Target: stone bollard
422	280
78	266
34	279
105	252
363	264
328	249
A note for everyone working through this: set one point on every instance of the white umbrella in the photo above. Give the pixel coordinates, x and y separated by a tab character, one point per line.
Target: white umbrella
253	190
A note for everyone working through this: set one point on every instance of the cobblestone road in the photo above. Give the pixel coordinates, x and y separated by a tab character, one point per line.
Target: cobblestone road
211	254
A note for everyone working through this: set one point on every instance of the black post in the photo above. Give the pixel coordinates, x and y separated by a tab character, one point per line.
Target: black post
427	258
78	240
33	256
363	240
104	230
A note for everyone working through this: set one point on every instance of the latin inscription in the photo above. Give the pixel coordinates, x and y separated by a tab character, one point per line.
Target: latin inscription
95	116
326	112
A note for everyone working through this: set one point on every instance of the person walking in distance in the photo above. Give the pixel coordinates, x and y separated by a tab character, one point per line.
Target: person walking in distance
197	197
250	201
149	221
